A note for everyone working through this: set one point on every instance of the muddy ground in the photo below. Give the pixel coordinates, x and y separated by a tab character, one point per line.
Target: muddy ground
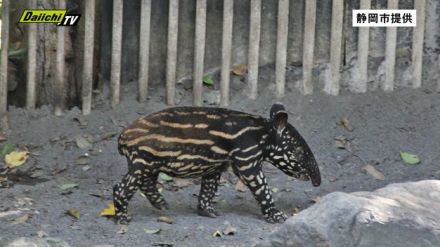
380	125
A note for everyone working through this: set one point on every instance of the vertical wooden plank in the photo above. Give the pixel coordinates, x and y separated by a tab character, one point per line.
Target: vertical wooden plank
228	15
4	66
87	76
363	46
173	19
254	48
332	86
199	51
417	45
60	66
281	53
144	49
115	77
309	45
390	51
31	61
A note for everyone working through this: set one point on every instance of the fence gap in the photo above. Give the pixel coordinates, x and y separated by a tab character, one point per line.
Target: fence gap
417	45
254	47
32	61
173	19
390	51
363	46
115	78
4	66
199	52
309	46
144	49
332	85
87	76
228	15
281	53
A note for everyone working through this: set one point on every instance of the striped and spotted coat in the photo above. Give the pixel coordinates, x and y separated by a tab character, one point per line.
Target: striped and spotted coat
203	142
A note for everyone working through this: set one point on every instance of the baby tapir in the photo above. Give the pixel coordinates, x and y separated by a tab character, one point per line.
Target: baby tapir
203	142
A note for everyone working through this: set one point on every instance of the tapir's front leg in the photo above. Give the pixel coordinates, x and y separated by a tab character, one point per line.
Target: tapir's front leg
251	174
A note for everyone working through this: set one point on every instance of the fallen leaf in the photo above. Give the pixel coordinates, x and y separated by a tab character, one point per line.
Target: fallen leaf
16	158
239	186
82	160
22	219
80	120
165	177
123	229
316	199
295	211
344	122
6	149
68	186
240	69
182	183
86	168
207	80
229	230
109	210
2	138
82	142
165	219
217	233
374	172
410	159
342	143
152	231
41	234
275	190
73	212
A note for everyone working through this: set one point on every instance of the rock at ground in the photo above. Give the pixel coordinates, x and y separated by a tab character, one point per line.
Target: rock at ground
404	214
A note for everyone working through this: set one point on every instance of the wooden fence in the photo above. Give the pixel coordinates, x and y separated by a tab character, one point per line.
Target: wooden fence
332	86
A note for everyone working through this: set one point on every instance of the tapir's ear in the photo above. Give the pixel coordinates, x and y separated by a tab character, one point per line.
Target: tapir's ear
277	107
279	121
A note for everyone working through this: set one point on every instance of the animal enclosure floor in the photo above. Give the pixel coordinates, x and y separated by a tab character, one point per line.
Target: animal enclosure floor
346	133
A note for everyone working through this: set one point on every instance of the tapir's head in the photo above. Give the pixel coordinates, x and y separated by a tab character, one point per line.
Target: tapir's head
288	151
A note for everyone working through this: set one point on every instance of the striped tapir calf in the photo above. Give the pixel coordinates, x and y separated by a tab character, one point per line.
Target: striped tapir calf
203	142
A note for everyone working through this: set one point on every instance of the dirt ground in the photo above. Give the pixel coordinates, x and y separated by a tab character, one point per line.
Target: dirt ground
379	126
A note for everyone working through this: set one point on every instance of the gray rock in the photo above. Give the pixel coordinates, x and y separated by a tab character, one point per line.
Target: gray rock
33	242
405	214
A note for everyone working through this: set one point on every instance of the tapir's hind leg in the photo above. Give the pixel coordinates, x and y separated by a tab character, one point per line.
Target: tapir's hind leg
149	189
122	193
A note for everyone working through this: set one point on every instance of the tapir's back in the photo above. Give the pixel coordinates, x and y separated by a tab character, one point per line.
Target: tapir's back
206	133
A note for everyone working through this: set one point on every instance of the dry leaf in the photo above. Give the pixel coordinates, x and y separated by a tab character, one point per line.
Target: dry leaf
152	231
2	138
342	143
16	158
73	212
229	230
316	199
123	229
165	219
240	69
22	219
374	172
217	233
295	211
239	186
109	210
344	122
82	142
